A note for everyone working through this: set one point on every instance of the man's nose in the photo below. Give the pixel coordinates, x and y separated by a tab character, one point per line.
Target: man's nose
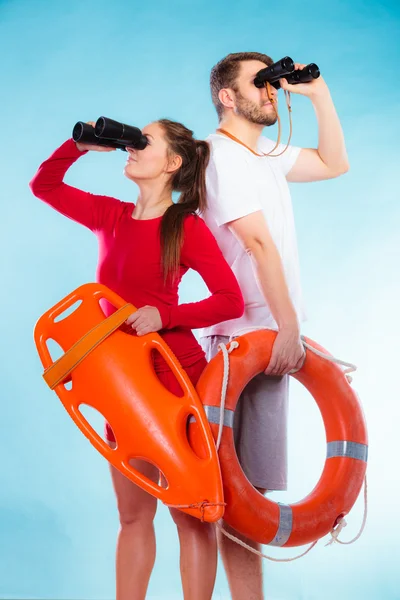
272	93
273	90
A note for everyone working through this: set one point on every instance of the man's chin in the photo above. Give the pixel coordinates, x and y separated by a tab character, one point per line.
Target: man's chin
267	122
267	116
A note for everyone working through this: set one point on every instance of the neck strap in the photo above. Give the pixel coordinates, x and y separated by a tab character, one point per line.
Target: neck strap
235	139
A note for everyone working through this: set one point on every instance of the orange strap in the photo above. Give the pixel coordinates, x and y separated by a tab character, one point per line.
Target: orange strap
63	366
235	139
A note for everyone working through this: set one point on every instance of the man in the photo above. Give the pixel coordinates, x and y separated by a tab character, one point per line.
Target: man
250	214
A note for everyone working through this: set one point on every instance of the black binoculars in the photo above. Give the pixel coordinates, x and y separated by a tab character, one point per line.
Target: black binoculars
284	68
107	132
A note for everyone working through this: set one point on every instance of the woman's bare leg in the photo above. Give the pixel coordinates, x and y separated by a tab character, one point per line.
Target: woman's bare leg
198	556
136	545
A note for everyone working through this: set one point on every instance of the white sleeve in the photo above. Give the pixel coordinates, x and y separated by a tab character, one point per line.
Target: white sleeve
288	158
231	192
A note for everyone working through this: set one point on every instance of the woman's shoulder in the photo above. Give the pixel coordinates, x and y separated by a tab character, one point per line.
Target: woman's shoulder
196	229
126	207
194	222
199	245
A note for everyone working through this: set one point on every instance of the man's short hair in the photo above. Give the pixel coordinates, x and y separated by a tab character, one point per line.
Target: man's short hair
226	71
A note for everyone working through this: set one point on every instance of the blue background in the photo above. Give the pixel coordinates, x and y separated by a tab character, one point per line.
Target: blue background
136	62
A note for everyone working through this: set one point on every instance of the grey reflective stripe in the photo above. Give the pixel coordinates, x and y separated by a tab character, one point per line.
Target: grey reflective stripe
212	414
285	525
350	449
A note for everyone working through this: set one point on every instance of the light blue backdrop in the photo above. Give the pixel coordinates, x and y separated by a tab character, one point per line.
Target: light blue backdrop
66	61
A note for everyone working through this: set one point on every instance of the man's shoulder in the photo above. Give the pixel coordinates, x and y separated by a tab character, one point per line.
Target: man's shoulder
221	144
283	155
225	154
265	144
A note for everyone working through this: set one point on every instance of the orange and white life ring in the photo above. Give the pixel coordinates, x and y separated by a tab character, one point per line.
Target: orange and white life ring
248	511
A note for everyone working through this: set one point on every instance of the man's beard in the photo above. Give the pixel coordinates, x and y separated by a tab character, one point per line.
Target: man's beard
253	113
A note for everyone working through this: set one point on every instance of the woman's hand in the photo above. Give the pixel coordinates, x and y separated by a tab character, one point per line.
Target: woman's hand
83	147
145	320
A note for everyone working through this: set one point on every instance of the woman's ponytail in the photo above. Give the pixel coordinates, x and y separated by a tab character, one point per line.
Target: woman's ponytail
190	180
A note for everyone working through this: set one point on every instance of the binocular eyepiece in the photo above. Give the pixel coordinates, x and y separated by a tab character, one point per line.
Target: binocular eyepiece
108	132
284	68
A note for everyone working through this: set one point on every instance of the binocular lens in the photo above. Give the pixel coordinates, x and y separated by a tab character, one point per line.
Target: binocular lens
286	65
77	131
313	70
108	128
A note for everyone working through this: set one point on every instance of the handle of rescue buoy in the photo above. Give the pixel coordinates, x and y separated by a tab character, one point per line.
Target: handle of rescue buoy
103	292
147	484
111	454
88	430
172	361
47	321
188	388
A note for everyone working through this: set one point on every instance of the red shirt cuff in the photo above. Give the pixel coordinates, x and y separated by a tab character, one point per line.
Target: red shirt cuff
165	315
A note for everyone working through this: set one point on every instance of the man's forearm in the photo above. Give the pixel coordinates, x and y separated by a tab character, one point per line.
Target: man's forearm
268	270
331	144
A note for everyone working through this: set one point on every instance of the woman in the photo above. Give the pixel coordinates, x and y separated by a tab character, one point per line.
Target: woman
144	250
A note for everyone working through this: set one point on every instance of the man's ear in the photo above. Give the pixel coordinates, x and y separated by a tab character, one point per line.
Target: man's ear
227	97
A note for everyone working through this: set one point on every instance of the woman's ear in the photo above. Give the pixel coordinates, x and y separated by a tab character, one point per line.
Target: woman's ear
174	163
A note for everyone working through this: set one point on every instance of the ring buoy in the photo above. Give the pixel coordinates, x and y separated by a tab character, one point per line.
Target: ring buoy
113	372
248	511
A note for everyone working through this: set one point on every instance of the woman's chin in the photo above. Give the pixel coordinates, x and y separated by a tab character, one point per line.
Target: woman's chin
128	173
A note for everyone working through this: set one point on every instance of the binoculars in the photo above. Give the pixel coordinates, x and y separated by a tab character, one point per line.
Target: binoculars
285	68
108	132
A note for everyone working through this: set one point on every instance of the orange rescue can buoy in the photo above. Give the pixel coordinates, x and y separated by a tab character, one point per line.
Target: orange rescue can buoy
113	372
248	511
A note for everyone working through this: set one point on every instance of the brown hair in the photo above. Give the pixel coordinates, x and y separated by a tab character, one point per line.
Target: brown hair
190	180
224	74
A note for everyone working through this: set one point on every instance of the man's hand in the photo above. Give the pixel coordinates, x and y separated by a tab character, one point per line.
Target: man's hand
287	352
145	320
316	87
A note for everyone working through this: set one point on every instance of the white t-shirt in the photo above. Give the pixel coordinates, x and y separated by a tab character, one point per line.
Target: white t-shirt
238	184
